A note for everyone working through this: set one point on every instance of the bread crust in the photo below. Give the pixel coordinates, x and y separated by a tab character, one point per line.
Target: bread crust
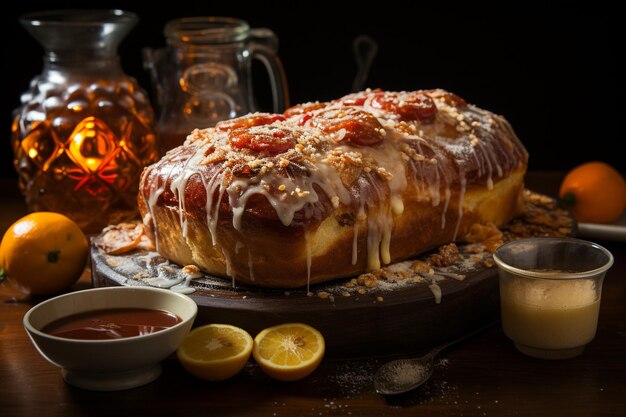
332	189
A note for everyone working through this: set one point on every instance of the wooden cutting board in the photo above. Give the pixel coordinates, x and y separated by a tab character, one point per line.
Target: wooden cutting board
399	314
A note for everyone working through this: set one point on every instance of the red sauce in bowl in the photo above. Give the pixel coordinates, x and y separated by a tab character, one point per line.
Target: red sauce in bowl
112	323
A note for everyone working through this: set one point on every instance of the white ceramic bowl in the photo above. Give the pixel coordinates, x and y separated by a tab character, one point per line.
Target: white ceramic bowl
116	364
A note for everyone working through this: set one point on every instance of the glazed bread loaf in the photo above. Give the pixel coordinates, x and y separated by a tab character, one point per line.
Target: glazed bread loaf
329	190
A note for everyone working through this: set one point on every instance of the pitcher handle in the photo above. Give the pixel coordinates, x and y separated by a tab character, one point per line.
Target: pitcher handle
264	47
150	58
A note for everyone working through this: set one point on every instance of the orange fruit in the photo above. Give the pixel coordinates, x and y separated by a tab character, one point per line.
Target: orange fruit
43	253
215	352
595	193
290	351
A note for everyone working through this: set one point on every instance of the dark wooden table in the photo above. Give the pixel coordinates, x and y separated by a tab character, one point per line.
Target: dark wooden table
483	376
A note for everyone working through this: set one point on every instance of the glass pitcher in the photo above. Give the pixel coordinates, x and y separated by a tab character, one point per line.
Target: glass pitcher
203	74
84	130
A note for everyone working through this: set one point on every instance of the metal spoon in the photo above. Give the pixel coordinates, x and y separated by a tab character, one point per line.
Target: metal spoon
403	375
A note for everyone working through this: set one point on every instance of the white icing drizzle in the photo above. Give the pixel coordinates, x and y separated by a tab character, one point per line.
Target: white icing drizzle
460	212
436	290
251	265
178	187
492	161
397	205
385	254
161	282
285	212
189	272
228	265
184	287
154	196
435	188
374	236
384	204
151	202
166	277
329	180
178	184
447	194
360	217
212	213
485	156
378	217
156	189
214	217
238	246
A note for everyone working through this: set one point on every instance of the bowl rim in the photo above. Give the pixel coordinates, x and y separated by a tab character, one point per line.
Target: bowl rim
30	328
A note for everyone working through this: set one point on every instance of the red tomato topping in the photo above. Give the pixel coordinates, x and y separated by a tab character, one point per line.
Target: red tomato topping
258	119
450	99
270	139
303	108
414	105
357	99
305	118
360	127
354	100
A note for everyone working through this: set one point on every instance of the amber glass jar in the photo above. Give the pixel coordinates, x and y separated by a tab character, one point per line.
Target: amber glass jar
84	130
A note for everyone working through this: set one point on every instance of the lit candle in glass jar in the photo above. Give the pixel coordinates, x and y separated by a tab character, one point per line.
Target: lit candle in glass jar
83	133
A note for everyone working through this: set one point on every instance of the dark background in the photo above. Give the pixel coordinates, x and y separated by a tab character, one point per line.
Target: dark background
553	73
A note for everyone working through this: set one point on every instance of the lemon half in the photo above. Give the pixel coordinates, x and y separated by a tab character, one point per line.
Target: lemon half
290	351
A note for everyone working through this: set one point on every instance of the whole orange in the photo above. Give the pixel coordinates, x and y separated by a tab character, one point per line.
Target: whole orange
43	253
595	193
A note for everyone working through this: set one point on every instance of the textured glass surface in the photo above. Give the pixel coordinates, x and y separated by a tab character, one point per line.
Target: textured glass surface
84	131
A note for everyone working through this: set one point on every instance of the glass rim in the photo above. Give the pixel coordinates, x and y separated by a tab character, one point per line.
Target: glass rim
206	29
555	275
78	17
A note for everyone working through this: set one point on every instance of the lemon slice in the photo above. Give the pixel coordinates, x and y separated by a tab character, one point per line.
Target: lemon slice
290	351
215	352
